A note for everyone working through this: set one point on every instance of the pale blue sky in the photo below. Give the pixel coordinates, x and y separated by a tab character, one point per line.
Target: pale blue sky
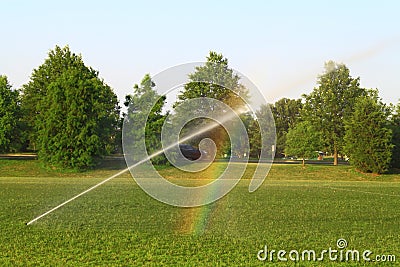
280	45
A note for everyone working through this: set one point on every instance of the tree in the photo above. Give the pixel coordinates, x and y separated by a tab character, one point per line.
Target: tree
395	126
212	80
75	115
58	61
254	139
10	118
254	134
286	114
368	138
331	103
303	141
215	80
265	122
138	104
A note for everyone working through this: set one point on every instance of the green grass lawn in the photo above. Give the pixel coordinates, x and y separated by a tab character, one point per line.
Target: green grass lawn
118	224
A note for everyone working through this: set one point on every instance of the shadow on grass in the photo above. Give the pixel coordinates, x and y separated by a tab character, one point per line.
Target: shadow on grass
30	161
112	163
394	171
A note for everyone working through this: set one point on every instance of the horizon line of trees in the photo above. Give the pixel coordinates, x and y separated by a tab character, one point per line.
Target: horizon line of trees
72	118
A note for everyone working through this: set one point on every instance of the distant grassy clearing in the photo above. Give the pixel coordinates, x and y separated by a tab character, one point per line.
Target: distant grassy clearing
119	224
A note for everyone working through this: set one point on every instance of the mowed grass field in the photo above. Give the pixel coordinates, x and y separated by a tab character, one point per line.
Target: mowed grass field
117	224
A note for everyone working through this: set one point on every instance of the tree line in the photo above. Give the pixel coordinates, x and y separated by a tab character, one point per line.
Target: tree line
72	118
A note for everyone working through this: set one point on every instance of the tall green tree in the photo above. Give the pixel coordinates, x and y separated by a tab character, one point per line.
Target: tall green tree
74	114
10	118
303	141
138	104
265	121
286	113
395	126
329	104
58	61
217	81
255	139
368	137
254	134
